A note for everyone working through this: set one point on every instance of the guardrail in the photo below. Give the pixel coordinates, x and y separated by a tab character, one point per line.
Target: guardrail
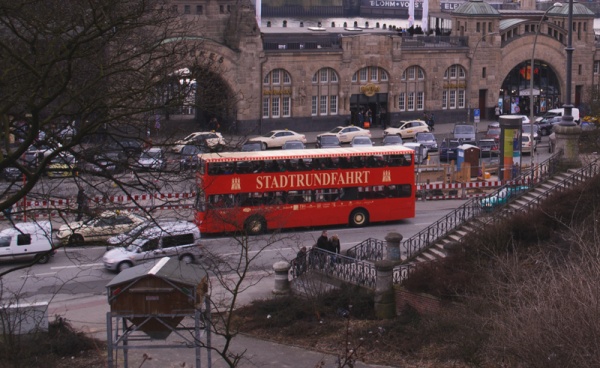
334	265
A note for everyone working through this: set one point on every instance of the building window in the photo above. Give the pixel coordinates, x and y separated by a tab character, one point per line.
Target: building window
174	8
199	10
402	102
363	74
286	111
413	87
187	9
384	75
275	106
411	101
325	90
483	72
323	105
277	100
596	67
333	105
222	9
266	107
374	73
453	95
580	69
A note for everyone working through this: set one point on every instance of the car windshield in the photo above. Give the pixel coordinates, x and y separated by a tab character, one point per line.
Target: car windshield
191	136
525	138
362	141
251	147
269	134
63	160
494	131
451	144
150	154
425	137
293	145
329	139
527	128
464	129
336	130
392	139
190	150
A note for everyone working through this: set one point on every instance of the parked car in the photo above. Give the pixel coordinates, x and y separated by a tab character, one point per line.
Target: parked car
327	140
449	149
345	134
131	146
107	162
407	129
428	140
252	146
277	138
526	128
559	113
493	131
488	147
61	166
189	156
99	228
291	145
152	159
12	174
27	241
421	151
35	154
528	145
501	197
392	140
464	132
213	140
179	239
361	141
546	124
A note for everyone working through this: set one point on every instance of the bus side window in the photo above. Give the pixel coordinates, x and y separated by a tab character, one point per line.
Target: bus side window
302	165
344	163
349	194
213	168
407	160
357	162
259	166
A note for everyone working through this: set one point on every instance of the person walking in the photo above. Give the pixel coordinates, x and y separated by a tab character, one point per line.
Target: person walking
8	213
431	122
497	112
81	203
334	246
300	262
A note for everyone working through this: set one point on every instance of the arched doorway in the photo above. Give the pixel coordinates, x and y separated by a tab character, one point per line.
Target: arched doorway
515	92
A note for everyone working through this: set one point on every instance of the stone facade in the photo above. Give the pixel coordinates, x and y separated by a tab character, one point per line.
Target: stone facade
483	48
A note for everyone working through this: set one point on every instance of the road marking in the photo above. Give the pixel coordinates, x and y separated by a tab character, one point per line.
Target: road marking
77	266
38	274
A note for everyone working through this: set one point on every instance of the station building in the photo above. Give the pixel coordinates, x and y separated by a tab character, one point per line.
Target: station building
314	78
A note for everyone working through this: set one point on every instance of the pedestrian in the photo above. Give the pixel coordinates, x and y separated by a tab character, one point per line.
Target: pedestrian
300	261
323	241
497	112
81	203
8	212
431	122
334	245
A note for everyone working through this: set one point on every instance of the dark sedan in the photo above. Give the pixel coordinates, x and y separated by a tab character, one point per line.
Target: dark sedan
449	149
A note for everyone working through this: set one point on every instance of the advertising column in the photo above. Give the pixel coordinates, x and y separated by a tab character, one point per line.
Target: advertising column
509	165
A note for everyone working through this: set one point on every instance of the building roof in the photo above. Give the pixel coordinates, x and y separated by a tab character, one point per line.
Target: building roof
166	268
507	23
476	8
579	10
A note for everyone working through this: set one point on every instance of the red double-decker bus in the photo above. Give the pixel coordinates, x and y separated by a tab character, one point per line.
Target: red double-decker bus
256	191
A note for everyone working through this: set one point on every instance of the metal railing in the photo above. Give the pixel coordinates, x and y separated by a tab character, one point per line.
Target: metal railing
367	250
334	265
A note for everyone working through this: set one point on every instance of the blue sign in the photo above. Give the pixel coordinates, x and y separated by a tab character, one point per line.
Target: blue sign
476	112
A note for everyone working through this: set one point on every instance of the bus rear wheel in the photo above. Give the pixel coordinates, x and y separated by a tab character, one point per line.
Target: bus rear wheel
255	225
359	217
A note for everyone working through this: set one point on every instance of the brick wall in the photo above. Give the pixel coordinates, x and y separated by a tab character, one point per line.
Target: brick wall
422	303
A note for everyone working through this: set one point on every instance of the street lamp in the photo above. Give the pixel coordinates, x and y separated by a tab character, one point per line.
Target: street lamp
469	78
531	105
567	118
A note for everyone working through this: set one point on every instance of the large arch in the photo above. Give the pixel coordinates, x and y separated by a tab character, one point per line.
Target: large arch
515	92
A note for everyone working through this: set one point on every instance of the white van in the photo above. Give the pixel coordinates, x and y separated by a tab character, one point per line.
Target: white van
559	112
178	238
27	241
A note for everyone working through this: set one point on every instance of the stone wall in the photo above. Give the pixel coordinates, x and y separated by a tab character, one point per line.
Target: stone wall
422	303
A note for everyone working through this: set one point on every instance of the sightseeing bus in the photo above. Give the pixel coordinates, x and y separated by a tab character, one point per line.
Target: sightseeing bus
266	190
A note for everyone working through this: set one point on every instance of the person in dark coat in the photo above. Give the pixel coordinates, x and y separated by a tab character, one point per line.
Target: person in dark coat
323	241
300	262
81	203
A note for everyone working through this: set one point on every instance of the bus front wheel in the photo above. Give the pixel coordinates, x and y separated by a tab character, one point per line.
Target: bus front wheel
255	225
359	217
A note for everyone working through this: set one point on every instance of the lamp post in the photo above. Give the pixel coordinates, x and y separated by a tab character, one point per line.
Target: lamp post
567	118
531	104
469	78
